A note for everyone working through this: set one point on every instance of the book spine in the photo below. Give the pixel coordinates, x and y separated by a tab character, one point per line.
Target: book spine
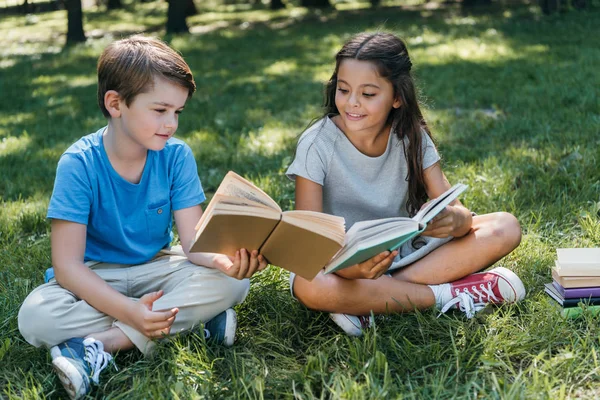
593	301
558	287
581	293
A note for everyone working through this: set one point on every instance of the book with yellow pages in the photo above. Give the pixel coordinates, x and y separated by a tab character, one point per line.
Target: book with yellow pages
241	215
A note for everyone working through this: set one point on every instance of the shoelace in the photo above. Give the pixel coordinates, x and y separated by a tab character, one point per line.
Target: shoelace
365	322
466	300
97	358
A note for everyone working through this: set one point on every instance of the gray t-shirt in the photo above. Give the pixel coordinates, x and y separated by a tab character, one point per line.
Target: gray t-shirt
356	186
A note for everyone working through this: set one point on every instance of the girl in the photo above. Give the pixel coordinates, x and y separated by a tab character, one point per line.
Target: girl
372	156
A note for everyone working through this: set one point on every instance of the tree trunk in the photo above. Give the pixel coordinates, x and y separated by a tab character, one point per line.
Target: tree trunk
549	6
176	16
114	4
190	8
277	5
473	3
75	32
375	3
315	3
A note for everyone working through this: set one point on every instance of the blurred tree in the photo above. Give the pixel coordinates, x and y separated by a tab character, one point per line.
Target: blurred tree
75	32
190	8
277	5
114	4
549	6
176	14
315	3
472	3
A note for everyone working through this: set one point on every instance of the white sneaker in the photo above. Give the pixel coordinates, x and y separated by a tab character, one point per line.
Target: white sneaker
353	325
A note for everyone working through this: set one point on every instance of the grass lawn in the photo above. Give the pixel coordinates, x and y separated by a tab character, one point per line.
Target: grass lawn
512	98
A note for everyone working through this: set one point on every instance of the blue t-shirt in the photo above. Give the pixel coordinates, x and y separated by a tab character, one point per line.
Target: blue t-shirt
126	223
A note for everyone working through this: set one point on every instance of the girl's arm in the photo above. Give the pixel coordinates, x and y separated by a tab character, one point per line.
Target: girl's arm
309	196
455	220
243	265
68	249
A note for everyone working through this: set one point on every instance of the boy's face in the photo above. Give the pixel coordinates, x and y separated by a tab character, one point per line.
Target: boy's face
152	117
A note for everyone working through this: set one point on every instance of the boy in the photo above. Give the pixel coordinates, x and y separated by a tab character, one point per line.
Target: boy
117	284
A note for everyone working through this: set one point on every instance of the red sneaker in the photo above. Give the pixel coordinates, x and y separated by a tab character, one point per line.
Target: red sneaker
472	293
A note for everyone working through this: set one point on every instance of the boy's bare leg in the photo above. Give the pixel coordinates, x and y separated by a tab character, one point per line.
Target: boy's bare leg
113	340
492	236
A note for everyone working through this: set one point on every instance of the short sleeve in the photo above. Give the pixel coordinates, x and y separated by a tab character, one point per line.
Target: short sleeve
313	154
430	153
72	195
186	189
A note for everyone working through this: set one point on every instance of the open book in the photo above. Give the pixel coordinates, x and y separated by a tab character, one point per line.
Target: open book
366	239
241	215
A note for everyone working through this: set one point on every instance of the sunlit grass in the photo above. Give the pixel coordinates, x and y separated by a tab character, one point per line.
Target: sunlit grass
511	97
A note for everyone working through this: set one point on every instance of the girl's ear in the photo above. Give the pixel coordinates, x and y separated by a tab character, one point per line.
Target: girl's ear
112	102
397	103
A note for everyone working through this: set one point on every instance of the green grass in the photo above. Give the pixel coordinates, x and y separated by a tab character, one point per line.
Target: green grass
512	98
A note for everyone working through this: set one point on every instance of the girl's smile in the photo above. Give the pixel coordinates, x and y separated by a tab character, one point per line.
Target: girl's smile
364	100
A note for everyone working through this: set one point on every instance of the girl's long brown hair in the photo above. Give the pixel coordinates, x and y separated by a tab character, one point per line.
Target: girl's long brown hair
389	54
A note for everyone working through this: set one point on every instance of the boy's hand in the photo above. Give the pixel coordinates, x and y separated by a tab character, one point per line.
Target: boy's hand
373	268
153	324
243	265
447	223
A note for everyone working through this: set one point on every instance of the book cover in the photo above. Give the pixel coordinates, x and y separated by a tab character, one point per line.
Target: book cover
575	281
567	303
366	239
574	293
574	312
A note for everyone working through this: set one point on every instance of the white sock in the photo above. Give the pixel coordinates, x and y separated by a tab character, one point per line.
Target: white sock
442	294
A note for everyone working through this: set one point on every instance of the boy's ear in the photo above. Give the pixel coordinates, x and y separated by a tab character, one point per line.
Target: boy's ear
112	103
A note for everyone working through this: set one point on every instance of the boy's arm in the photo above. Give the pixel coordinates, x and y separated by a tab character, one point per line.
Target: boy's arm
243	265
455	220
68	249
309	196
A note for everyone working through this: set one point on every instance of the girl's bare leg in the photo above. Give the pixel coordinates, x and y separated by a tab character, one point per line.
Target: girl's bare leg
333	293
492	236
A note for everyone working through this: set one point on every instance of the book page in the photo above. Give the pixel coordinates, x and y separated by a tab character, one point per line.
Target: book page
324	224
575	257
436	205
235	186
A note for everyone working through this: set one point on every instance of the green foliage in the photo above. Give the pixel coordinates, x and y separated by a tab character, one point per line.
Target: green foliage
513	102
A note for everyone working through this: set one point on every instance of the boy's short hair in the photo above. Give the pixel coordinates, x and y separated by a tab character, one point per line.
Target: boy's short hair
129	66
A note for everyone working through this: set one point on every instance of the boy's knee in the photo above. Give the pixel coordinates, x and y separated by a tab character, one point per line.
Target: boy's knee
33	322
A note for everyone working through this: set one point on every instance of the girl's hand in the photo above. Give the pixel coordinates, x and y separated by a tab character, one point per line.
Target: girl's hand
451	221
243	265
370	269
152	324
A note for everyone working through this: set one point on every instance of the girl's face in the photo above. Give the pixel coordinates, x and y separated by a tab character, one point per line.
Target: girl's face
363	98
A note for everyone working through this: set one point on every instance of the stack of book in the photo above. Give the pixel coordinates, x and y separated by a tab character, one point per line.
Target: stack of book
576	281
